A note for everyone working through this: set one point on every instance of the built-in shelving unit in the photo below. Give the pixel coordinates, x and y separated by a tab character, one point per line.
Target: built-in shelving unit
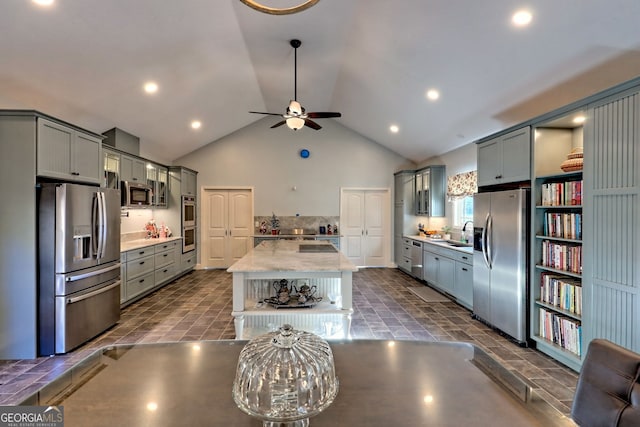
556	271
557	276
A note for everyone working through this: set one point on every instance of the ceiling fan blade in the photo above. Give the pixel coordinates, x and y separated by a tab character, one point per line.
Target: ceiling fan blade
268	114
312	124
279	124
325	115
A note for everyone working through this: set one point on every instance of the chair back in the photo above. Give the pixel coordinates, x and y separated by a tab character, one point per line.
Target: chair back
608	389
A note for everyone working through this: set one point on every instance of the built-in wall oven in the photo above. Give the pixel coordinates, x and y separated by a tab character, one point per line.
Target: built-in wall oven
188	211
188	239
188	223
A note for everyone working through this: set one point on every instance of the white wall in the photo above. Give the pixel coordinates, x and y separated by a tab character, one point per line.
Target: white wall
268	159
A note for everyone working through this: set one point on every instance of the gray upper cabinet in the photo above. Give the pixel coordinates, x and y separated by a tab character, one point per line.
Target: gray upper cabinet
505	159
189	186
185	179
133	169
430	188
67	154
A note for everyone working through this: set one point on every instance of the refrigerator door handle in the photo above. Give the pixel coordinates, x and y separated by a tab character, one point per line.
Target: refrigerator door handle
484	242
73	300
93	273
99	226
104	224
489	241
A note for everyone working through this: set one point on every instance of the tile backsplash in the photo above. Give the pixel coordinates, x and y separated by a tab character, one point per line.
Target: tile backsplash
311	224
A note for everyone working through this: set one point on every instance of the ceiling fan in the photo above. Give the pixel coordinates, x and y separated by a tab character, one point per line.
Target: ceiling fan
296	117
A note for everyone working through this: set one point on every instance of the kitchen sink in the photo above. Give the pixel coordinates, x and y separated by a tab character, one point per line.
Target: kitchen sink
458	244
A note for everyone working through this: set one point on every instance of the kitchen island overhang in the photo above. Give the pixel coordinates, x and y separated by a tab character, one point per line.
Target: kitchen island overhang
319	264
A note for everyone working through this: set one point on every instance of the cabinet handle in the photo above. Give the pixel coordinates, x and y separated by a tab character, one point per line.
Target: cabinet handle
75	173
141	262
165	255
164	271
141	253
498	176
464	257
437	259
464	269
141	280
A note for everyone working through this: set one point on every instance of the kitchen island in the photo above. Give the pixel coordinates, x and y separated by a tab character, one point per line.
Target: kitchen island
294	264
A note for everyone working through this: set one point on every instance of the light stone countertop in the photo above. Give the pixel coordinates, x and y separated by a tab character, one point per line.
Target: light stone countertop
284	255
442	243
141	243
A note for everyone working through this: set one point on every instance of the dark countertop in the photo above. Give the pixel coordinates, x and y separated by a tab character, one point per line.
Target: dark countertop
382	383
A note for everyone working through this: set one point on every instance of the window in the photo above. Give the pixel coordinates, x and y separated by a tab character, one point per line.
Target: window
462	211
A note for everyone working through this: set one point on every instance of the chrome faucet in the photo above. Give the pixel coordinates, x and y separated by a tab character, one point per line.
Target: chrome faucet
464	227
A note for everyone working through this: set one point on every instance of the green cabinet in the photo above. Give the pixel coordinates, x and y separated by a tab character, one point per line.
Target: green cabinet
133	169
183	181
157	178
430	188
67	154
111	170
505	159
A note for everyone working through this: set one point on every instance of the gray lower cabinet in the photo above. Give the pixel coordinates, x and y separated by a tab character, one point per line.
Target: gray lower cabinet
450	271
405	263
188	261
147	268
463	287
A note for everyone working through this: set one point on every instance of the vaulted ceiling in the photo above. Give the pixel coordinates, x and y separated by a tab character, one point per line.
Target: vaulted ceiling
85	61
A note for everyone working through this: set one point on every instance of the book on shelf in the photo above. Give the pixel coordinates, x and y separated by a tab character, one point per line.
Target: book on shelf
563	225
568	193
561	256
562	292
561	330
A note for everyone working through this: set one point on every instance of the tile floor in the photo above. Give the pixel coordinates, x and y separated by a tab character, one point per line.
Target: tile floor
198	306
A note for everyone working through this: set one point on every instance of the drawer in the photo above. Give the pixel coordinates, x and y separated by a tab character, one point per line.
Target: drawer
139	267
405	264
139	285
164	258
464	257
166	246
165	273
406	250
188	260
140	253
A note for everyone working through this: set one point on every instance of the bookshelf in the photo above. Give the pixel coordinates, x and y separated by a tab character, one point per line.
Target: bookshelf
556	285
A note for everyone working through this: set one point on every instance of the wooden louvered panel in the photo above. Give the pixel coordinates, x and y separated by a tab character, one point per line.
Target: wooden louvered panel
611	260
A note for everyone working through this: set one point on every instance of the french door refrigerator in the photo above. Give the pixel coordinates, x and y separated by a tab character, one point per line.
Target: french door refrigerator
500	279
78	264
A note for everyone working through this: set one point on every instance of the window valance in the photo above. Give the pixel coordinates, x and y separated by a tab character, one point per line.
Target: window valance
462	185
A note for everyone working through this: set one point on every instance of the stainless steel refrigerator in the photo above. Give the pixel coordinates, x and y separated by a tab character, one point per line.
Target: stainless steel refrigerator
500	279
78	264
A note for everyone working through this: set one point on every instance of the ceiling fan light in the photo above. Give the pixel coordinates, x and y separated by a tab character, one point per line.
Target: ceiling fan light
295	108
295	123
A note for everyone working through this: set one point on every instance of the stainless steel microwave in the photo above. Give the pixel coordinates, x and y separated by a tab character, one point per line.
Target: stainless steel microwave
135	194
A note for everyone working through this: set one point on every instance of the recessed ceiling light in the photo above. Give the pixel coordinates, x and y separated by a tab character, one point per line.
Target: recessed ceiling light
196	124
394	128
579	119
152	406
433	94
43	2
521	18
151	87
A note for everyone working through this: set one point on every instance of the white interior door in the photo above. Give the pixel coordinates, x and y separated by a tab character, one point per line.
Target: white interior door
352	224
227	222
364	220
240	225
374	219
214	222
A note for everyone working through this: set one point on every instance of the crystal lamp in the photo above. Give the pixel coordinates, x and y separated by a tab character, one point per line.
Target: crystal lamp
285	377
